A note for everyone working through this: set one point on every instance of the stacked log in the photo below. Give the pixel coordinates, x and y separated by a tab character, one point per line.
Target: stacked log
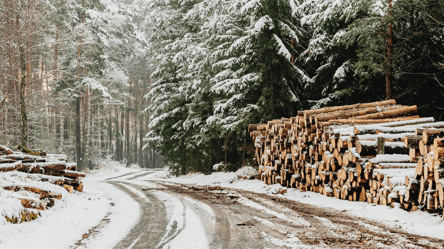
38	168
38	165
425	188
368	152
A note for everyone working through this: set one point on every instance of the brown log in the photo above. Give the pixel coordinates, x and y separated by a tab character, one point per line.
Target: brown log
365	148
422	148
355	121
391	113
368	148
327	191
438	174
65	173
438	154
352	113
414	155
438	142
346	107
43	193
430	162
68	188
6	150
419	131
439	186
394	166
392	199
379	129
35	204
5	167
25	157
42	167
419	168
54	179
412	141
429	135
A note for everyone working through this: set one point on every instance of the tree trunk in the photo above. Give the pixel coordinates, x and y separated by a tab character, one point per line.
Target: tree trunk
127	138
85	133
110	134
122	117
388	76
141	142
78	142
117	136
24	123
78	69
65	128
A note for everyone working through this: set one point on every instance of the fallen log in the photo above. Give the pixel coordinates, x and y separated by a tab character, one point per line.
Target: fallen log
43	193
25	157
42	167
6	150
4	167
35	204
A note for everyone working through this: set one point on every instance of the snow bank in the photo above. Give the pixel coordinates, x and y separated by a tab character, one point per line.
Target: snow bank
60	226
247	172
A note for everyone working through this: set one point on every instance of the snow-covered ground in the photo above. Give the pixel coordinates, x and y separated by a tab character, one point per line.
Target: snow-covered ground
66	223
101	203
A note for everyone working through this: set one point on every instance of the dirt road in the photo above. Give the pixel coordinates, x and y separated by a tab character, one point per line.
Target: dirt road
241	219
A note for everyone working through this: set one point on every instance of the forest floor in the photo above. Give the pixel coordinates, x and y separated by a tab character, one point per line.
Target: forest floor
134	208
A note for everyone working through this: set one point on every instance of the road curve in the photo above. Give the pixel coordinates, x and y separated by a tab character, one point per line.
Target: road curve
242	219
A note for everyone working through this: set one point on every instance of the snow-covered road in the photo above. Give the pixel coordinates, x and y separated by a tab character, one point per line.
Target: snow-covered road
133	208
189	216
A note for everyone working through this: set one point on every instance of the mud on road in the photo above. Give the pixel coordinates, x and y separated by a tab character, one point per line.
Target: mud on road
250	220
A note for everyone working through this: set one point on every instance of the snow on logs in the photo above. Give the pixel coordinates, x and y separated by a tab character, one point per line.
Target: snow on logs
50	173
377	152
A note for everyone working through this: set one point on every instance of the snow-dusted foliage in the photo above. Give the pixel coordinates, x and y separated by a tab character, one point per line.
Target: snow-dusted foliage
220	65
224	65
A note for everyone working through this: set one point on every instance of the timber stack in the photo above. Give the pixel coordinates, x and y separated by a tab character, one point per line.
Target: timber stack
378	152
38	172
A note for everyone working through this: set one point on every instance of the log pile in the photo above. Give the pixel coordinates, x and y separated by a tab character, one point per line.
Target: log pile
425	187
39	173
379	152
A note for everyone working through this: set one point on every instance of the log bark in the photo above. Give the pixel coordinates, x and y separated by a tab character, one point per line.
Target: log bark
43	193
391	113
346	107
356	121
412	141
438	142
438	154
429	135
352	113
28	203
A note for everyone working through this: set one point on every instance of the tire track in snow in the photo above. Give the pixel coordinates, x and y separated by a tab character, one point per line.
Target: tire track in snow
152	221
137	176
235	224
115	177
177	221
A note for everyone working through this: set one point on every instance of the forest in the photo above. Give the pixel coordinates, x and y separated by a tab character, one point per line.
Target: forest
176	82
